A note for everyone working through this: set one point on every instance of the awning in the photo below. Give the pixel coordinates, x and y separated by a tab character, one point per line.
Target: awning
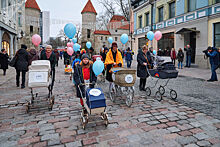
186	30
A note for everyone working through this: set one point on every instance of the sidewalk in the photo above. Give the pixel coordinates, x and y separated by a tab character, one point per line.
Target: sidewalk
198	73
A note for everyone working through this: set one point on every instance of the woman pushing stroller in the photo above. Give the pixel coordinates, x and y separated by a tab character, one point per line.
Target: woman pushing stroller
84	74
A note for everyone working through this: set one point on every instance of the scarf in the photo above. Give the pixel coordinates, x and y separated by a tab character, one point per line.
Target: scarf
48	54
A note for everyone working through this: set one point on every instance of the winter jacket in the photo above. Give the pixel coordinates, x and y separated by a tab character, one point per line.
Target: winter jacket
214	57
180	56
21	60
52	59
79	78
128	55
141	68
188	51
3	61
57	54
110	60
173	54
32	55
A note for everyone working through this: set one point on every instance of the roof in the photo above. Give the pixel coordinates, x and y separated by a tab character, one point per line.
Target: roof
32	4
102	32
186	30
89	8
118	22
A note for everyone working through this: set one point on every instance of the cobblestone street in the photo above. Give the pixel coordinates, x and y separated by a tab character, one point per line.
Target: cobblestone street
193	120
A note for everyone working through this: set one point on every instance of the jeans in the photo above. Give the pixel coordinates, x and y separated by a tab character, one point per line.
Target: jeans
188	61
129	63
214	75
18	77
180	64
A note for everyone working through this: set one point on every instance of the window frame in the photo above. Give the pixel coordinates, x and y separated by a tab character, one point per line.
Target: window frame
140	21
191	10
215	34
170	9
147	19
159	18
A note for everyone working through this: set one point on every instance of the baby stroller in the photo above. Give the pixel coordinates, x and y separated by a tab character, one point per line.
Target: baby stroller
94	103
164	70
40	76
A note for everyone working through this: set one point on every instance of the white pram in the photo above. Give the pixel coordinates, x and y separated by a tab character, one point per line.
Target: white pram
40	76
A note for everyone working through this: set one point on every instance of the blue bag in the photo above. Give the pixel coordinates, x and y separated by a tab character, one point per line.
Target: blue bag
95	101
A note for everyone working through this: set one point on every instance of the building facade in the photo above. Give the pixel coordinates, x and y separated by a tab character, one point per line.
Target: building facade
32	22
45	26
117	26
182	22
8	25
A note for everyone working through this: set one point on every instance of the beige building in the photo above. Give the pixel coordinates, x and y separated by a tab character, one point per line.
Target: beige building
32	22
117	26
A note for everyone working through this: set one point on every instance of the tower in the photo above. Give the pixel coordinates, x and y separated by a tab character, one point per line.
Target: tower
88	24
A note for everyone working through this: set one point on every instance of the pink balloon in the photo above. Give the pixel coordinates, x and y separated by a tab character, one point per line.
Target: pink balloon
36	39
70	51
157	35
70	44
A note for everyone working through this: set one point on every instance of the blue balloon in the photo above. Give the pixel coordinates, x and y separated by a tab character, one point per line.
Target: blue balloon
88	45
124	38
98	67
70	30
74	40
110	40
154	52
150	35
76	47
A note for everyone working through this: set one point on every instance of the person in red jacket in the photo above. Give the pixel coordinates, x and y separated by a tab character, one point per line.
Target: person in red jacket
173	55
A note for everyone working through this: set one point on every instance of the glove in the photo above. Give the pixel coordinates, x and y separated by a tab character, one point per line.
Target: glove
120	65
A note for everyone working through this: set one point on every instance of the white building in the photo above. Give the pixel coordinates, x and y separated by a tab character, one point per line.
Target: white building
45	26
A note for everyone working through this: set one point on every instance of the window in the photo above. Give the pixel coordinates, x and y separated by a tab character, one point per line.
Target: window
217	1
19	19
31	29
217	35
140	21
146	19
6	46
101	38
116	30
191	5
172	10
160	10
116	38
88	33
106	38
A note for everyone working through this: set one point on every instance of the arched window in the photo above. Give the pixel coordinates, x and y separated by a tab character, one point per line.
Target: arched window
5	42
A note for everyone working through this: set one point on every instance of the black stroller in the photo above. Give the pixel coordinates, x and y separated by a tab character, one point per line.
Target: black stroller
164	70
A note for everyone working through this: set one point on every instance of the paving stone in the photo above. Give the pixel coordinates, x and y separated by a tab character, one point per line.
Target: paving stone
133	138
74	144
182	122
186	140
201	136
160	117
46	132
173	129
196	124
46	127
153	122
192	145
9	144
53	142
50	137
143	119
146	141
171	115
203	143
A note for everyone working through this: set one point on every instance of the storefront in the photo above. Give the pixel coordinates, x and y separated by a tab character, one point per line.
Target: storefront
166	43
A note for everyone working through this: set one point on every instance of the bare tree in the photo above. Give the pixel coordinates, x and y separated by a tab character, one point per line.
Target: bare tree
78	32
102	21
124	7
110	7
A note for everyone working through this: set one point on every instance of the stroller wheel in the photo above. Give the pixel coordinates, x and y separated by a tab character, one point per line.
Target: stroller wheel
173	94
158	96
129	98
161	90
112	92
148	91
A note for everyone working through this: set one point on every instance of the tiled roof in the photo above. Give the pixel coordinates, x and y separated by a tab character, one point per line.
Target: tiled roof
102	32
32	4
117	18
118	22
89	8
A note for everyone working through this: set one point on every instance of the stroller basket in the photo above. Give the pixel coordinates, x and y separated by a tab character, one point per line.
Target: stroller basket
163	74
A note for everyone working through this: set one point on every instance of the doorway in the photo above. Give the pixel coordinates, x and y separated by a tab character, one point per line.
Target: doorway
193	46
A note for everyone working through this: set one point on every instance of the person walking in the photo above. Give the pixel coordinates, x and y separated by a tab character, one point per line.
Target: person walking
57	56
61	55
180	57
113	59
213	55
91	53
50	55
4	61
173	55
188	50
32	55
84	74
143	60
21	65
128	57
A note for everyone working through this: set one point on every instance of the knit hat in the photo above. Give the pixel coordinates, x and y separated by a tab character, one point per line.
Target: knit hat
23	46
114	43
84	56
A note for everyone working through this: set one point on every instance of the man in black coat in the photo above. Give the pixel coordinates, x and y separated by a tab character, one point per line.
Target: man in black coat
188	55
144	61
4	61
21	65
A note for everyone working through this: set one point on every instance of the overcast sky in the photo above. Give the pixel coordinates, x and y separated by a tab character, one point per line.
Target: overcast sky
62	11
